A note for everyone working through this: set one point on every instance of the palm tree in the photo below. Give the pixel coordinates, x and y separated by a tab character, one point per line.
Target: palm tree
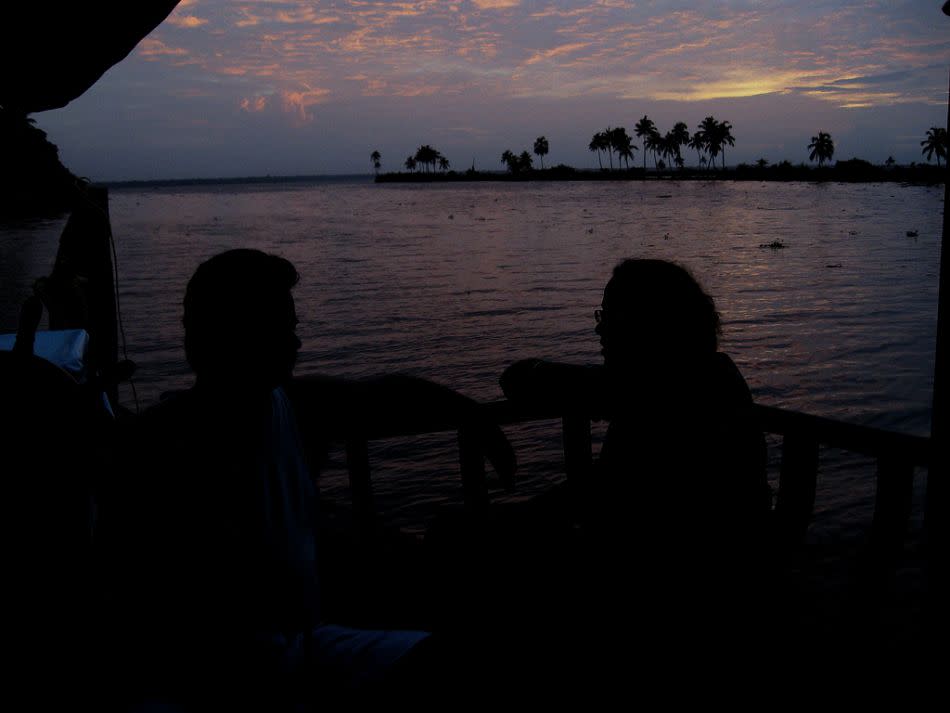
443	164
375	158
620	141
680	135
643	129
597	144
626	153
725	137
541	149
890	161
669	148
762	163
623	143
698	142
525	162
411	163
606	138
654	142
427	156
510	160
712	142
822	148
935	143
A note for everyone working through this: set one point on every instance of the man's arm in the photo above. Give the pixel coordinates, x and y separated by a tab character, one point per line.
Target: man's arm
336	408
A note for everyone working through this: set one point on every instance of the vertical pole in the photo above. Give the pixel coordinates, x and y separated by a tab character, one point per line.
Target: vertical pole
81	290
938	507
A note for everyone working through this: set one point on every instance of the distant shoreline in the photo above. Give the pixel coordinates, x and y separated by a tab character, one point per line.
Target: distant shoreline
843	171
854	171
238	180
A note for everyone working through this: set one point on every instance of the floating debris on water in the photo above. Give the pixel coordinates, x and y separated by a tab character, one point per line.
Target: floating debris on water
834	264
451	216
852	232
666	236
774	245
911	233
590	230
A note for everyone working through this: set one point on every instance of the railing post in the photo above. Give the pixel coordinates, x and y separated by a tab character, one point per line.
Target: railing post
892	505
361	486
577	447
472	467
797	482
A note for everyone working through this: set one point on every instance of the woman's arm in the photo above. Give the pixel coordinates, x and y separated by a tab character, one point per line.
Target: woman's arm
534	383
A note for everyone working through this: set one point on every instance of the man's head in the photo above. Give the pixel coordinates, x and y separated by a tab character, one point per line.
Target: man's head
655	313
239	319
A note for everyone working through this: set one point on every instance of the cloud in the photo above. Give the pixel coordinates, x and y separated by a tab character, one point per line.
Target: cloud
247	18
187	21
151	48
542	55
842	52
298	102
495	4
257	104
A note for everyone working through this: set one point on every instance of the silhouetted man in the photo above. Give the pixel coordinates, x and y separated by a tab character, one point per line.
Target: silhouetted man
209	532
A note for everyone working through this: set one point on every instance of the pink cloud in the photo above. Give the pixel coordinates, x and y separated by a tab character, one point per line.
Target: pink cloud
542	55
299	102
187	21
495	4
153	48
257	104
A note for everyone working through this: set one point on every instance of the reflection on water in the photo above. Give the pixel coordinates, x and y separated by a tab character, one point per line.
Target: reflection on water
453	282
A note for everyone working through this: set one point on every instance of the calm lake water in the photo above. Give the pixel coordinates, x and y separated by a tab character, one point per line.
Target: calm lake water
453	282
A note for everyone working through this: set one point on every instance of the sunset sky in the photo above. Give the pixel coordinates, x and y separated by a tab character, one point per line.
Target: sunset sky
235	88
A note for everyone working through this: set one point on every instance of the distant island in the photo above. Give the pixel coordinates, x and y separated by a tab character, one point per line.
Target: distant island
851	171
709	141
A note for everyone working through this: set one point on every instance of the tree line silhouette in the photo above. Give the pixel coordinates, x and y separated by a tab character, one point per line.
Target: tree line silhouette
709	141
425	157
615	150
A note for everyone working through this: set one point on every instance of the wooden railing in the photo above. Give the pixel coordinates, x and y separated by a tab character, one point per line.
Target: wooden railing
897	456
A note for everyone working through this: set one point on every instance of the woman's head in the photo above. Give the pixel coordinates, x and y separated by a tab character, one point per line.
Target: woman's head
654	311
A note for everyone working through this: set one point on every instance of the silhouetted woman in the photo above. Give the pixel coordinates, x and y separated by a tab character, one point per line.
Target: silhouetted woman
677	504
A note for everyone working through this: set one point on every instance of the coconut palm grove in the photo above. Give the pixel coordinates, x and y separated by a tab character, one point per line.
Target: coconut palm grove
676	152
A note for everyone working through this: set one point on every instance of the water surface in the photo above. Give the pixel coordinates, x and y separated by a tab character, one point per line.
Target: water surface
454	281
